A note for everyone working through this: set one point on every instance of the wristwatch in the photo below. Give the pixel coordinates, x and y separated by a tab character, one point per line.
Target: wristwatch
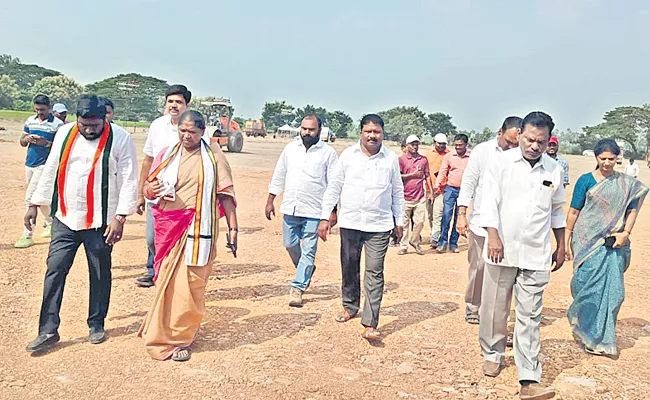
121	219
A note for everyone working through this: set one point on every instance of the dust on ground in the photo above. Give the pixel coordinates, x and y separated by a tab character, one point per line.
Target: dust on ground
252	345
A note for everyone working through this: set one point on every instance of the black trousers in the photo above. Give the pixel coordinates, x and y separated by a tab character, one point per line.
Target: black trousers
376	245
63	248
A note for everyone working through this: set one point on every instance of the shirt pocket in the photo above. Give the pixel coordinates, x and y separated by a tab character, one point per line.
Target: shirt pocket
545	198
379	177
314	169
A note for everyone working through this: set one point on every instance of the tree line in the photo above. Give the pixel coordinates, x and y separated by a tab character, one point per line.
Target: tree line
140	98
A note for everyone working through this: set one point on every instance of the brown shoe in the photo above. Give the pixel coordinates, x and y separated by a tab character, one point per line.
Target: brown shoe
344	316
371	333
295	297
536	391
491	369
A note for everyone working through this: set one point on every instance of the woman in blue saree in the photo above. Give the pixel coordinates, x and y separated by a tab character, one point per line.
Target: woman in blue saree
603	211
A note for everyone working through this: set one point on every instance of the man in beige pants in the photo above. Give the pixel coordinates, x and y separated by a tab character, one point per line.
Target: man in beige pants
471	188
38	135
522	201
414	169
434	198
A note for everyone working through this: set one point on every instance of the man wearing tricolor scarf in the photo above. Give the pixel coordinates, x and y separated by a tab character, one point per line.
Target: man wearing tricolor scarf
90	181
191	187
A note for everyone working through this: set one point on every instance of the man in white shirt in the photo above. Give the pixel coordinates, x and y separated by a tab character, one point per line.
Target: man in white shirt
522	201
369	186
471	188
632	169
90	180
163	132
302	171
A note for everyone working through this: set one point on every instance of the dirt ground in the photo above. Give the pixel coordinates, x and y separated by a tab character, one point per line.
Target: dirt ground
252	345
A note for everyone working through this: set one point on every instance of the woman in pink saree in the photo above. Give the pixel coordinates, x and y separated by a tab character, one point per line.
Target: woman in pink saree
191	186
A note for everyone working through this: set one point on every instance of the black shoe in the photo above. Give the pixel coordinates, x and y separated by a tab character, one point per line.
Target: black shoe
97	335
43	342
145	281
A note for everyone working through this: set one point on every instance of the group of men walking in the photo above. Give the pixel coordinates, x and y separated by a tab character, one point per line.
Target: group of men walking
361	191
87	174
513	183
431	186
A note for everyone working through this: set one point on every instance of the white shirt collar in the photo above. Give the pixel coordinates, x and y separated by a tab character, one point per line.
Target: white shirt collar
383	150
314	146
545	161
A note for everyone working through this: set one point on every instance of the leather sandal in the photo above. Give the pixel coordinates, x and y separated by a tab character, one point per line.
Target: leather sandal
371	333
182	354
344	316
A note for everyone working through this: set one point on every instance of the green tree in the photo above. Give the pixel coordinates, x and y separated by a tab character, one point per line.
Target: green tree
60	89
276	114
399	127
240	120
320	112
629	124
136	97
440	123
568	141
399	122
9	91
480	137
340	123
25	75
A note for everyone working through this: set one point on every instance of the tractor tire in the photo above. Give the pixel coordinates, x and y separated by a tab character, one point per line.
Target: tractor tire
235	142
332	139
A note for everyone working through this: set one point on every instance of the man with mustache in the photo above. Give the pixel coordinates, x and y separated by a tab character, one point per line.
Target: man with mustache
522	201
163	133
451	171
368	184
90	181
471	188
303	171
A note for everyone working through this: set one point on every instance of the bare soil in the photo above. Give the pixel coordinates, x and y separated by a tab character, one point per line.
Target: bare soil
252	345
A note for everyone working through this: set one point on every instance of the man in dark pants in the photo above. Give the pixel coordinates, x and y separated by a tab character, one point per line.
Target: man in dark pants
90	180
368	183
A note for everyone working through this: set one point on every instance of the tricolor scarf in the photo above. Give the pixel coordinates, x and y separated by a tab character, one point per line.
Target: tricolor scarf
203	228
103	152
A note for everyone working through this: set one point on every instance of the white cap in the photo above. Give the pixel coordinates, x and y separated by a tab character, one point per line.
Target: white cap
440	138
412	138
59	108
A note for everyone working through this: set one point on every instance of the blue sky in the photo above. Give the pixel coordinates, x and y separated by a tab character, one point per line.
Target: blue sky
479	61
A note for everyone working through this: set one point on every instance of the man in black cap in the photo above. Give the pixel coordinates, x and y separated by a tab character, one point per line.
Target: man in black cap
90	181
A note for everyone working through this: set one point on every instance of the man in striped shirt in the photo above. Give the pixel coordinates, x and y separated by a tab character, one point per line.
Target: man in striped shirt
38	136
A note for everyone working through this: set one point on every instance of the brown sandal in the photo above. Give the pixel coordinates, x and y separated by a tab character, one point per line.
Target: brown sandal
371	333
344	316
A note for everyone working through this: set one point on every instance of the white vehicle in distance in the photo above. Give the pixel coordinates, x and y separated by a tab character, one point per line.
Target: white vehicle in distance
588	153
327	135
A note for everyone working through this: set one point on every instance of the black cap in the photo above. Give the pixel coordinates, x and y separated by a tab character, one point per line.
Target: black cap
89	106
